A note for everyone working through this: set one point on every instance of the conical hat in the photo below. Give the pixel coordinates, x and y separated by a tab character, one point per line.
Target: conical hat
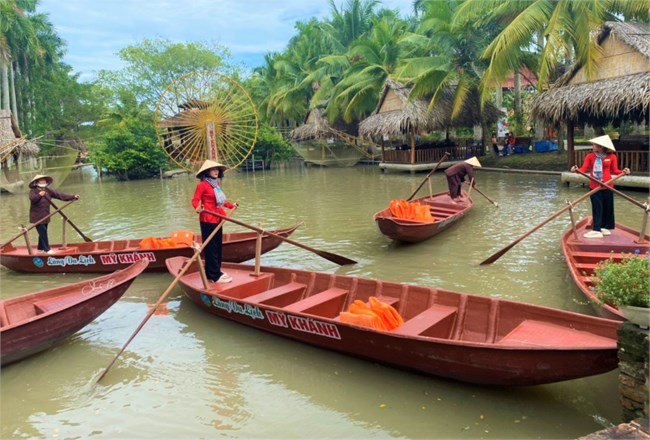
38	177
473	161
603	141
208	164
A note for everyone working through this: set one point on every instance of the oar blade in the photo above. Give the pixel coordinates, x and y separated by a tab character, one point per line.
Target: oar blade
334	258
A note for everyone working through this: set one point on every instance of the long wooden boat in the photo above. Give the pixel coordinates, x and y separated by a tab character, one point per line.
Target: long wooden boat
583	255
465	337
35	322
443	209
108	256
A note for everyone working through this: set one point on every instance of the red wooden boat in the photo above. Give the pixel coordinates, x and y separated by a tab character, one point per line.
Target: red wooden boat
583	255
34	322
444	211
465	337
108	256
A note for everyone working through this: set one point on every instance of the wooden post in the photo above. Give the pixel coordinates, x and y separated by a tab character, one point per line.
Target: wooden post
258	253
569	142
64	238
644	225
29	246
573	220
204	277
412	133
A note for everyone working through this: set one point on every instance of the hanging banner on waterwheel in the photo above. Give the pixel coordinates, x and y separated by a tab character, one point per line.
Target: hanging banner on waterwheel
206	115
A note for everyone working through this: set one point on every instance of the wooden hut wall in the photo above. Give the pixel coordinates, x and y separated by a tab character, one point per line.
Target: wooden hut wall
391	102
619	59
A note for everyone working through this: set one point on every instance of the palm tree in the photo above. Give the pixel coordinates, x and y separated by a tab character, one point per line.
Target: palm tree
567	28
372	60
442	55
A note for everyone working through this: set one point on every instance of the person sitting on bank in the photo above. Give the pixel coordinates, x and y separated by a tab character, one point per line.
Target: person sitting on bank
456	175
39	197
601	163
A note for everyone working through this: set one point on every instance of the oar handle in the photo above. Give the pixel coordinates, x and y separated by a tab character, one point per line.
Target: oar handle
164	295
620	193
33	225
86	239
494	257
338	259
428	175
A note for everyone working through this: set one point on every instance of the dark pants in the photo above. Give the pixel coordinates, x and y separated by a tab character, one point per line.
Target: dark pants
602	210
212	252
43	242
454	183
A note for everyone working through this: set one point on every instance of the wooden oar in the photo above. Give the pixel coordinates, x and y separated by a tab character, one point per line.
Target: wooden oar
70	221
483	194
494	257
33	225
188	263
428	175
620	193
338	259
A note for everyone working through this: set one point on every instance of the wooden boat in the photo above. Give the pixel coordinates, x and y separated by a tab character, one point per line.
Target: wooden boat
583	255
443	209
465	337
35	322
108	256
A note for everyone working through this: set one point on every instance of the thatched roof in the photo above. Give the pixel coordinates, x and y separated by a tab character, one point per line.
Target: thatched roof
413	115
619	93
316	126
9	133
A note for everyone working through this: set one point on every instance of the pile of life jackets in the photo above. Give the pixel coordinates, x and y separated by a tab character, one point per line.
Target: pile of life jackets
177	239
411	211
374	314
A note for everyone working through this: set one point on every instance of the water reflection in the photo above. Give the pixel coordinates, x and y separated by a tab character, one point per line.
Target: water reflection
190	375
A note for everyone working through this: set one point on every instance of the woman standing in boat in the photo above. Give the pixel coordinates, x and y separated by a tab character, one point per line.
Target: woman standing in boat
39	197
456	175
603	163
209	196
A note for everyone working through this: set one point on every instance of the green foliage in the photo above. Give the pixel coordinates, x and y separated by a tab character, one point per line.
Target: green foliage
130	151
270	144
624	283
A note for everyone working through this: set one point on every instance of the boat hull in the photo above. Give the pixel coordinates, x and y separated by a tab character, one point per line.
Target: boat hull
583	255
444	211
35	322
484	341
108	256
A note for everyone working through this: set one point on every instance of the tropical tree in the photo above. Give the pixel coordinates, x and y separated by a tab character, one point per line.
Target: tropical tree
558	32
442	56
372	60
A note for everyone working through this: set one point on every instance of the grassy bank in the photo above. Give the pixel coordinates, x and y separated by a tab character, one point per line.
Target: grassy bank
551	161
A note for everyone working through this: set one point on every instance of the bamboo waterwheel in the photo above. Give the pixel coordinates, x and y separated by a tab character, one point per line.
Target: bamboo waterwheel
206	115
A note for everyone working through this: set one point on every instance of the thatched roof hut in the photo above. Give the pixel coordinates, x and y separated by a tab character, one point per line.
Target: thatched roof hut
397	114
316	126
620	89
10	133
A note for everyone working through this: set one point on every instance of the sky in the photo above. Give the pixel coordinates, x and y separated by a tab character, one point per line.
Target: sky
94	31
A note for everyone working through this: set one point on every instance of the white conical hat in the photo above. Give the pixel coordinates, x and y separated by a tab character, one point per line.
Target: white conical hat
473	161
603	141
208	164
38	177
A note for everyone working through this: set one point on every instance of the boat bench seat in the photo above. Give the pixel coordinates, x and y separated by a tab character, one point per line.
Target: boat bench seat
528	332
4	319
57	303
279	296
327	303
586	266
438	316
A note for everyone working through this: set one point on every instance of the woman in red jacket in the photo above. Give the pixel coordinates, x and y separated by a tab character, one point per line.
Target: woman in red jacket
209	196
603	163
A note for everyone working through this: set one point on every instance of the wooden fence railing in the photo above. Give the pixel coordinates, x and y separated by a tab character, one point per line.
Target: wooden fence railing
460	151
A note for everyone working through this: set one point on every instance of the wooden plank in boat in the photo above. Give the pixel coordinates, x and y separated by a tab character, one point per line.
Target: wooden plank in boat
528	331
327	303
422	323
280	296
